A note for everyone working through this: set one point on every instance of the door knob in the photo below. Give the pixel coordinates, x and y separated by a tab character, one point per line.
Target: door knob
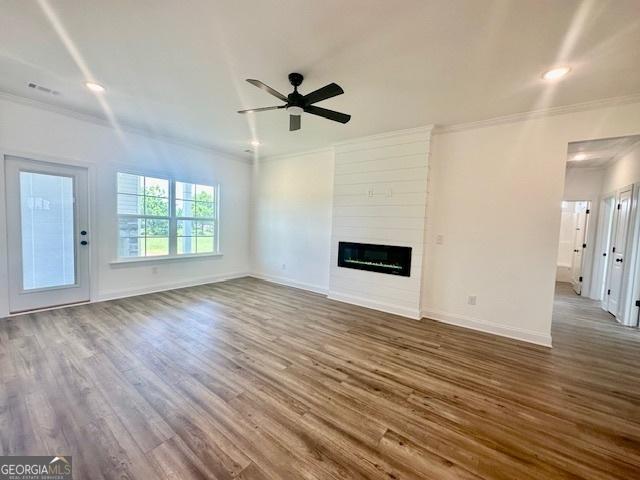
83	242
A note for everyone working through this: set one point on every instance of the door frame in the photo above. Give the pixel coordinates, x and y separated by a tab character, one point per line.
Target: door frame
91	208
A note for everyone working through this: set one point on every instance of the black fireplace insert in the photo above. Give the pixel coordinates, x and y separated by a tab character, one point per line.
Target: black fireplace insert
375	258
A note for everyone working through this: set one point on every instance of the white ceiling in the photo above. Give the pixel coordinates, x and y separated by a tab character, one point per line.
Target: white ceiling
178	67
599	153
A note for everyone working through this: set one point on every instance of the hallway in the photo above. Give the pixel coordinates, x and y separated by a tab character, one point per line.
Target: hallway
578	320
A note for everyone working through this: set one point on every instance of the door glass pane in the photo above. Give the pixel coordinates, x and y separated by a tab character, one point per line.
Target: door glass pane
47	230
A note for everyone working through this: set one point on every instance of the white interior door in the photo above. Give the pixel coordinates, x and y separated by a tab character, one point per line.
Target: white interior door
618	249
578	245
605	232
47	220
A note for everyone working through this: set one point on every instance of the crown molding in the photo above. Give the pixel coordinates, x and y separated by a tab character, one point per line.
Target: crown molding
540	113
125	126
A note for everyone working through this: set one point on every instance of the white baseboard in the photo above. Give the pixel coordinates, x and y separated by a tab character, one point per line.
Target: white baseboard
290	283
381	306
489	327
113	295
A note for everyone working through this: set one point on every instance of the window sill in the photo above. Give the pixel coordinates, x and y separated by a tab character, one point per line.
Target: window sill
164	258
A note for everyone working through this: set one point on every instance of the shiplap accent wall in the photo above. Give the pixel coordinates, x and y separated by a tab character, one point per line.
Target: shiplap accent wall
380	196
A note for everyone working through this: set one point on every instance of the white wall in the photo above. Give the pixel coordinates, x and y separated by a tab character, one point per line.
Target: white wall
292	219
380	194
34	132
623	172
496	193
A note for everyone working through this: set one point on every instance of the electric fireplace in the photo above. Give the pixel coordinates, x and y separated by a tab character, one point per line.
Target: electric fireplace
375	258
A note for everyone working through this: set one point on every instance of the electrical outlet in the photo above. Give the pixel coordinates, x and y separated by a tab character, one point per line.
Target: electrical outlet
472	300
284	266
439	239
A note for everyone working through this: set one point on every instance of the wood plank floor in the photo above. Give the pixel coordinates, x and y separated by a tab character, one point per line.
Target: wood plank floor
250	380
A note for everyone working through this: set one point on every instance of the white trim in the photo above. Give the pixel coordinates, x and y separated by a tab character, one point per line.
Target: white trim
163	258
290	283
488	327
412	313
540	113
221	277
125	126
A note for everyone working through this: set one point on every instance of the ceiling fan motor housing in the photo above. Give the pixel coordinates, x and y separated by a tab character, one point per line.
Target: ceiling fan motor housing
295	100
296	79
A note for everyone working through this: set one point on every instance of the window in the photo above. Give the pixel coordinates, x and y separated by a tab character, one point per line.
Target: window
195	214
164	217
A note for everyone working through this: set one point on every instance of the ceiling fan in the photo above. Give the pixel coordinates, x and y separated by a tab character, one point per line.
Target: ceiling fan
296	103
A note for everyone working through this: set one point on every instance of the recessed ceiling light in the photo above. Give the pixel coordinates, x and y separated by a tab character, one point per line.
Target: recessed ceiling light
94	87
556	73
255	143
580	156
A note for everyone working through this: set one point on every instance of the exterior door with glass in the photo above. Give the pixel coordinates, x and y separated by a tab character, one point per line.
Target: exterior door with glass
48	237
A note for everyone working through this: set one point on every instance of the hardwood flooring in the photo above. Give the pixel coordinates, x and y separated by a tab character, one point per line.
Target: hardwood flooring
250	380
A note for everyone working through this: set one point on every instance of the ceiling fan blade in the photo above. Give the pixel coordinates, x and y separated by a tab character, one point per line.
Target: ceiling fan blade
330	114
267	88
294	122
328	91
263	109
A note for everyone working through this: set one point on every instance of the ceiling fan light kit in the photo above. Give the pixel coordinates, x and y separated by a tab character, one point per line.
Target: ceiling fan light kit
296	104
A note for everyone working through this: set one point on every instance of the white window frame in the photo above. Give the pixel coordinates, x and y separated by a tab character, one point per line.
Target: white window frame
173	219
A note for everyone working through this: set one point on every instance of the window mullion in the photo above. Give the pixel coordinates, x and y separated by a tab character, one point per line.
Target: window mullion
173	224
